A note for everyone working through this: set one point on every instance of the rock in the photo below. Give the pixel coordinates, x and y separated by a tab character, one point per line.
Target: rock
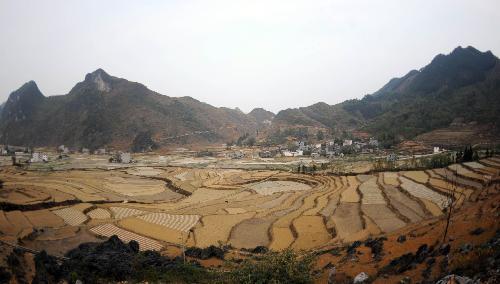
78	281
405	280
476	232
361	278
331	275
402	239
455	279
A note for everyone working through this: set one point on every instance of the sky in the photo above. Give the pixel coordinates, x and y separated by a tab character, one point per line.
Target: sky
246	54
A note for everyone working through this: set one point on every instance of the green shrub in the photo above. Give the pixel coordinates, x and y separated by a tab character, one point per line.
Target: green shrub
275	267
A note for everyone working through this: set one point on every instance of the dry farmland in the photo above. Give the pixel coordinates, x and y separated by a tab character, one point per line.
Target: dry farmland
161	206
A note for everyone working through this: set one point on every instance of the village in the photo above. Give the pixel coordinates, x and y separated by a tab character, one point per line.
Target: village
294	153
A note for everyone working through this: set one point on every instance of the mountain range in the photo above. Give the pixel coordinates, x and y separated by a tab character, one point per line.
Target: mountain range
103	110
463	85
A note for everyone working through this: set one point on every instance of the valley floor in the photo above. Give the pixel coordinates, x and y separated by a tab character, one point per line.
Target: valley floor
164	208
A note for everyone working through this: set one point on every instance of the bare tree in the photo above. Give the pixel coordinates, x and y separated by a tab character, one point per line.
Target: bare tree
451	181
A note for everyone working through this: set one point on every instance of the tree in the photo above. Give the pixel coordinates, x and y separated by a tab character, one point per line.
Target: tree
250	141
143	142
320	135
475	156
452	190
467	155
242	138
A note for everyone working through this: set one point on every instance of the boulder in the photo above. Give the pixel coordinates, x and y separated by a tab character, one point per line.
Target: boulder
361	278
452	279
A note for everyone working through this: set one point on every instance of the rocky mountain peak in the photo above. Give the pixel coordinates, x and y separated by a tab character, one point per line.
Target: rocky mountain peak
100	80
22	102
28	91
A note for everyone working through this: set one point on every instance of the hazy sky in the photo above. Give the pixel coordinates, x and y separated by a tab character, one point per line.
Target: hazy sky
246	54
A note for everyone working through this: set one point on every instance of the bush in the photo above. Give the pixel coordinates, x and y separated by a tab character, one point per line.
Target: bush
205	253
113	261
275	267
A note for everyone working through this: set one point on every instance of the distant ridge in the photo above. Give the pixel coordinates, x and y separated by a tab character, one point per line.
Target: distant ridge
106	110
463	84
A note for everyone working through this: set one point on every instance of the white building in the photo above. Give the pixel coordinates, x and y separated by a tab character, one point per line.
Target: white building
293	154
235	155
125	158
63	149
392	157
265	154
100	151
38	157
373	142
347	142
436	150
301	145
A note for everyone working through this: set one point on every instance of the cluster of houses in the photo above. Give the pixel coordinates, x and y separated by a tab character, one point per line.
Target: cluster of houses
27	155
121	157
326	149
66	150
23	155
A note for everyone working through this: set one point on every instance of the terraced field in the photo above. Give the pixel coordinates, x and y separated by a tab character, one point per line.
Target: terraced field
71	216
108	230
99	213
202	207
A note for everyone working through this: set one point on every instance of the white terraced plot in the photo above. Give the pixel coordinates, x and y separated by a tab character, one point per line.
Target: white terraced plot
370	192
99	213
460	170
108	230
184	176
421	191
144	171
391	178
177	222
123	212
271	187
134	186
71	216
474	165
